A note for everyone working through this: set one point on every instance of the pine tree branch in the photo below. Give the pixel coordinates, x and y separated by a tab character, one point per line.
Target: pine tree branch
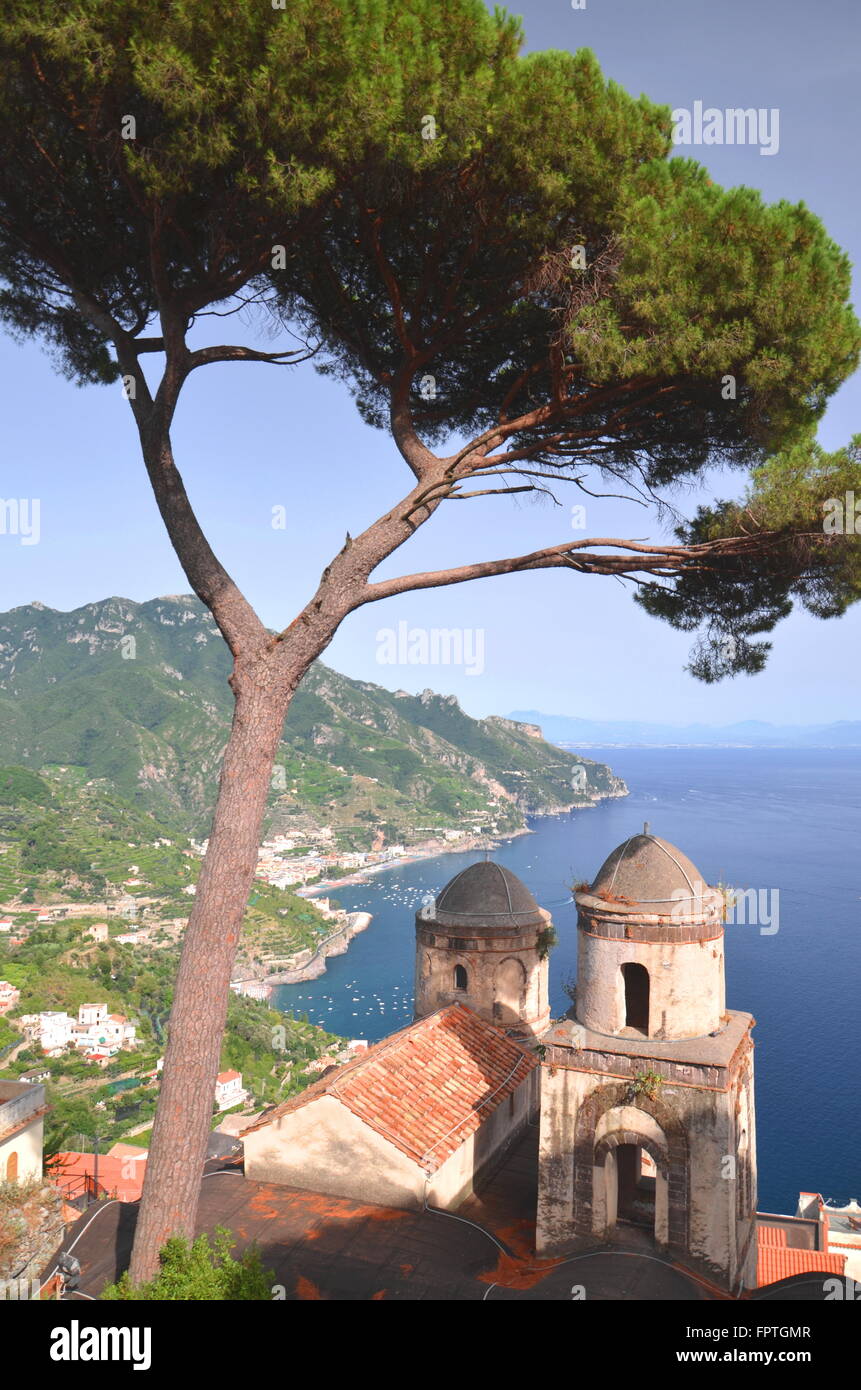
638	558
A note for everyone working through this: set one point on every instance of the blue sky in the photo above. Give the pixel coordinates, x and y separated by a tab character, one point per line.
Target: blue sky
250	437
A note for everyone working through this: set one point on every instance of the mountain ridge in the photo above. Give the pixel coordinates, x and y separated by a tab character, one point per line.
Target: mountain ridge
136	694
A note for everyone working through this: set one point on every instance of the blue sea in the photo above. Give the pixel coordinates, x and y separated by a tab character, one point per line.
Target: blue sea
782	821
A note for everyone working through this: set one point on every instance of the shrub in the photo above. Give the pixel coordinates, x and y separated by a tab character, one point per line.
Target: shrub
200	1273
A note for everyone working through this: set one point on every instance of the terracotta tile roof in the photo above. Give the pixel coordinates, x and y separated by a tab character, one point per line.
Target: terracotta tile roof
771	1235
229	1076
117	1176
776	1260
428	1087
121	1150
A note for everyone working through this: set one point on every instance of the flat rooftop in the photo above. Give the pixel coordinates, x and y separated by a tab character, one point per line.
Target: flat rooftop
708	1051
331	1248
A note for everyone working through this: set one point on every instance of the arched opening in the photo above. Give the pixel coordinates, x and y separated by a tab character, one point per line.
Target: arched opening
636	1181
460	977
509	990
12	1168
640	1194
636	979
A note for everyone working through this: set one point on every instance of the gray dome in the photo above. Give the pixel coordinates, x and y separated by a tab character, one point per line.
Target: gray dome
649	873
486	895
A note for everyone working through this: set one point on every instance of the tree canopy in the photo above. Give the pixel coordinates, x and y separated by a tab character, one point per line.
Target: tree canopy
484	245
154	153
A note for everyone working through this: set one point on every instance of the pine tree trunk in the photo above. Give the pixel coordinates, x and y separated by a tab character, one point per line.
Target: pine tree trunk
183	1122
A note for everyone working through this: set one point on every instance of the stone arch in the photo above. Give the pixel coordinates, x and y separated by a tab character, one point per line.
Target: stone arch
630	1136
676	1159
460	978
509	989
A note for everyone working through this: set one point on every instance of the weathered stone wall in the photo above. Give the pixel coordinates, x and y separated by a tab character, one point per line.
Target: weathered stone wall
323	1147
691	1131
507	977
686	984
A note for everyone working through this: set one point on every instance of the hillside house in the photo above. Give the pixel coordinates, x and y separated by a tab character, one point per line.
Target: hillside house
22	1125
95	1031
9	996
229	1090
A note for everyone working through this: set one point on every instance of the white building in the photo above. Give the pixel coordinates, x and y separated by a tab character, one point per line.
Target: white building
94	1031
89	1014
229	1090
9	996
251	989
22	1122
54	1031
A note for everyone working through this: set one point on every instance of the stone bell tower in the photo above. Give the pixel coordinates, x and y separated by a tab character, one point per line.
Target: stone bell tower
647	1123
484	942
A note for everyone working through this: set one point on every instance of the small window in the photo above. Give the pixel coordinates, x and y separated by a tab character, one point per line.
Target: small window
12	1168
636	979
460	978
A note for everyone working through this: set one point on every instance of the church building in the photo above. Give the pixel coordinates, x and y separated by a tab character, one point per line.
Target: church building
641	1095
647	1108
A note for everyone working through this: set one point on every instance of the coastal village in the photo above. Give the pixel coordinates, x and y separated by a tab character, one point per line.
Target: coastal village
599	1133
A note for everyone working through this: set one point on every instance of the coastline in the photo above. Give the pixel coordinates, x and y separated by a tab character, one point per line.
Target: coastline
335	945
338	943
364	875
463	846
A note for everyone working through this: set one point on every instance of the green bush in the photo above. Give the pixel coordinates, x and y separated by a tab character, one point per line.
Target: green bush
200	1273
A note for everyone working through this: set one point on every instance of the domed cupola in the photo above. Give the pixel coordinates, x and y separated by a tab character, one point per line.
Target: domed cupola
488	897
650	945
484	941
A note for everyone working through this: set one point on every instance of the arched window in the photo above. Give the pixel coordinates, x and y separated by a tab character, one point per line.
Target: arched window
460	977
636	978
12	1168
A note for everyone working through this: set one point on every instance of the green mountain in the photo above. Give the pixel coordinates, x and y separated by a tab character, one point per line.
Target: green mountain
62	834
64	840
134	697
